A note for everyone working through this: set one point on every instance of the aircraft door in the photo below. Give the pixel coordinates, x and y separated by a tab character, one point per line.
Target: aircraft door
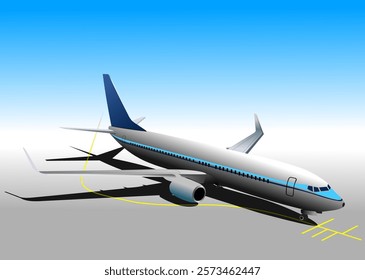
290	186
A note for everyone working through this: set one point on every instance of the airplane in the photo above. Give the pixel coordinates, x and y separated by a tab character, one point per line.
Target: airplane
188	167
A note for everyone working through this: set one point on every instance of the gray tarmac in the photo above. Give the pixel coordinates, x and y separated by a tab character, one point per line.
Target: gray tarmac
112	229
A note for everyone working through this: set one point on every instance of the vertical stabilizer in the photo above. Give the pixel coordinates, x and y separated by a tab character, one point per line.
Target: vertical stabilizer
117	113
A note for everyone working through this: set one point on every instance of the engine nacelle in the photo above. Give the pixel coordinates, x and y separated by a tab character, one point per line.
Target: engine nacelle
187	190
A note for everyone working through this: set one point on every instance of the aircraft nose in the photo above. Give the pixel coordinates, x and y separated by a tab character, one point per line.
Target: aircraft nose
340	204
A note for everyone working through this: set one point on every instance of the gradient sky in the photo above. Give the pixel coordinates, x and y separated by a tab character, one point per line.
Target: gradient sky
292	62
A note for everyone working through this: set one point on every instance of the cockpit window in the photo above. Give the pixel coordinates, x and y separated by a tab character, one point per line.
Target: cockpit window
321	189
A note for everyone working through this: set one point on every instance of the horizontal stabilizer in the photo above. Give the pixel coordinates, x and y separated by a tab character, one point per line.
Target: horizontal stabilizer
245	145
137	121
90	129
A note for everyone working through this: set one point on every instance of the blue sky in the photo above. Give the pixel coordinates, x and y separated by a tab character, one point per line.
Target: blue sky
289	61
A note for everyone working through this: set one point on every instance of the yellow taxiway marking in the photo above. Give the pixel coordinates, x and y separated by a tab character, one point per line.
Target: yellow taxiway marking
324	229
329	236
350	229
319	233
317	226
333	232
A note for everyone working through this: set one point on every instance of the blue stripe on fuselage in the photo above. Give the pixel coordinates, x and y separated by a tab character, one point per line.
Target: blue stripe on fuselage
330	194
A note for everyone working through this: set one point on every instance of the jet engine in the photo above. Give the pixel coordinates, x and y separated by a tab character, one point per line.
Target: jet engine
187	190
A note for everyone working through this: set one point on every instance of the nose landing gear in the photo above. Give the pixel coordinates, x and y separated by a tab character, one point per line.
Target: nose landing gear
305	213
303	217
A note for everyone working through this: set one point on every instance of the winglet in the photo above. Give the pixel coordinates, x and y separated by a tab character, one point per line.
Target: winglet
245	145
117	113
258	125
30	160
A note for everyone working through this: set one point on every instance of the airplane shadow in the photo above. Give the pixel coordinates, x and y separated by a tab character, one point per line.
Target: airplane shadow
255	204
232	197
161	188
239	199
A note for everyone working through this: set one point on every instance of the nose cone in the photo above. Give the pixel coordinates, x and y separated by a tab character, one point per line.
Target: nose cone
335	205
334	200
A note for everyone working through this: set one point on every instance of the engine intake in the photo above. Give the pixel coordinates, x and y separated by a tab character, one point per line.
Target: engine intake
187	190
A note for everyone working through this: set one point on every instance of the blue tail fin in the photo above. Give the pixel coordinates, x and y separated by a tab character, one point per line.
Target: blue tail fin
118	115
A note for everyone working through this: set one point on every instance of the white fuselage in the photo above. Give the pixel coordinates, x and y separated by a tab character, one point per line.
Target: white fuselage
255	175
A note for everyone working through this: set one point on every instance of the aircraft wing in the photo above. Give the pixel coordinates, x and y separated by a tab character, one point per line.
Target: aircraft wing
145	190
245	145
162	178
145	172
140	172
